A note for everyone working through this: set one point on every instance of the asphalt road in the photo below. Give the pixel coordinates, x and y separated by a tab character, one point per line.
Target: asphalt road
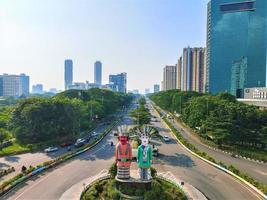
252	168
33	159
53	183
212	182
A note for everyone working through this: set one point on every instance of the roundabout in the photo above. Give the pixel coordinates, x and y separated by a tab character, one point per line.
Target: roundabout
127	180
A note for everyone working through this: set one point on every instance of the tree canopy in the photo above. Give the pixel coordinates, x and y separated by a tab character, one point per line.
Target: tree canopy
63	116
220	118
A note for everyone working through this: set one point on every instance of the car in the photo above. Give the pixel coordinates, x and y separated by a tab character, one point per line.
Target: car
80	142
66	144
166	138
51	149
94	134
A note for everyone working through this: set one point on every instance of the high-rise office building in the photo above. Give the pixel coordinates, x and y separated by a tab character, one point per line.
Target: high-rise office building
118	82
14	85
37	89
236	45
24	85
156	88
98	73
68	73
179	73
169	77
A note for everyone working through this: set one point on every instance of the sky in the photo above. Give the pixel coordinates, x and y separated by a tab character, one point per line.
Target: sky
139	37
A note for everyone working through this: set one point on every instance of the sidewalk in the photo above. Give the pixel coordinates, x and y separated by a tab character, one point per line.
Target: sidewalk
74	193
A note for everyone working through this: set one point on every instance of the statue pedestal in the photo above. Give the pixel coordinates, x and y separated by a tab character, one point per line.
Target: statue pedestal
134	181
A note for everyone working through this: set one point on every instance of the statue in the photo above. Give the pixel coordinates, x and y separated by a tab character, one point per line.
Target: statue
123	154
144	156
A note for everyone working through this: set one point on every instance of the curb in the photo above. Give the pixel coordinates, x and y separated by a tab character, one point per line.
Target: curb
57	162
220	167
216	149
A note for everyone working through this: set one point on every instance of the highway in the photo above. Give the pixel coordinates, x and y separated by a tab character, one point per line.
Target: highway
212	182
252	168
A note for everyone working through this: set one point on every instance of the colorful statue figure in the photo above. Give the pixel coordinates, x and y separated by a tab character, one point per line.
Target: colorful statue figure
144	156
123	155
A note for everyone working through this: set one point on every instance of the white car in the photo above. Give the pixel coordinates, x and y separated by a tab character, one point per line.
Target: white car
51	149
166	138
94	134
80	142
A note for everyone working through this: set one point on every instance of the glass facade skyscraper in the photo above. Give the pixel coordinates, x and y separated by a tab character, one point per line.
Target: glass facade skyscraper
98	73
68	73
236	45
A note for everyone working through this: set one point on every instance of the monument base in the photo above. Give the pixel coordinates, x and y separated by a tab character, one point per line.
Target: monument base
134	182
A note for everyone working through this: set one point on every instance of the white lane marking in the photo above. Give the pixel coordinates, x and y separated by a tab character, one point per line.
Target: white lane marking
33	186
49	176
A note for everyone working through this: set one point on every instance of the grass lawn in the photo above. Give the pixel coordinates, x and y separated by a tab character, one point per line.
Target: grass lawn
15	148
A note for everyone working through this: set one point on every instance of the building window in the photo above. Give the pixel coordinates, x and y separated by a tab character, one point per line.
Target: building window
238	7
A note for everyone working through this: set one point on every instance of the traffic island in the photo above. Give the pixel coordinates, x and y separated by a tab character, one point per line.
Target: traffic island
109	189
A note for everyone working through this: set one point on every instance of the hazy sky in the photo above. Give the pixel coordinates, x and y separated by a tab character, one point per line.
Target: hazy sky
135	36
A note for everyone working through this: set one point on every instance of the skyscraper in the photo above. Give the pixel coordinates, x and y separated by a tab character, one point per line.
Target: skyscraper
179	73
236	45
186	81
169	77
24	85
118	82
68	73
98	73
192	70
156	88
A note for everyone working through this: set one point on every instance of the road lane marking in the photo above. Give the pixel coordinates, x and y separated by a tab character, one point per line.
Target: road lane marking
48	175
33	186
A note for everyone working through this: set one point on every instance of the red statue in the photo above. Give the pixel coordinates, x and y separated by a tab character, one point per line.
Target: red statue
123	155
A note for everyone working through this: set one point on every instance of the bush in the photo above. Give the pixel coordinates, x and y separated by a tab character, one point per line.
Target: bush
153	172
150	195
113	170
114	194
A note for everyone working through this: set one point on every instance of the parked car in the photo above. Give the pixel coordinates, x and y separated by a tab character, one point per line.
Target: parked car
51	149
94	134
66	144
166	138
80	142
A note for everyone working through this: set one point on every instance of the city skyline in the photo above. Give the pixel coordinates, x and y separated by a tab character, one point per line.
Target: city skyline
52	40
